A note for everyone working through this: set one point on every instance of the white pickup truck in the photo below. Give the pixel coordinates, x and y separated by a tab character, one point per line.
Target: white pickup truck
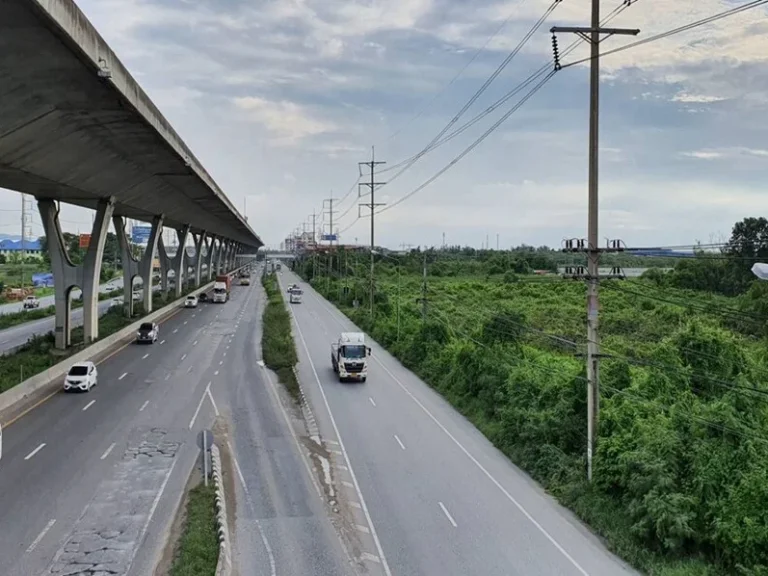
31	302
349	356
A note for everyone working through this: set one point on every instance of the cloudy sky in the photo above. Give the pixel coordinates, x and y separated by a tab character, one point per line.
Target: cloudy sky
280	100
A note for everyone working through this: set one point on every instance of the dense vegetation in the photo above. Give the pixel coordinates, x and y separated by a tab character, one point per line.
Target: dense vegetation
277	346
681	467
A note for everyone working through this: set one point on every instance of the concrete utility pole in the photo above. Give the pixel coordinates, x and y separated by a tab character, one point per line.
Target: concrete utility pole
424	290
593	34
330	211
372	205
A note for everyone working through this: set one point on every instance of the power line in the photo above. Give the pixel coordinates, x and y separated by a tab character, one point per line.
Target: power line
510	94
678	30
489	81
472	146
456	77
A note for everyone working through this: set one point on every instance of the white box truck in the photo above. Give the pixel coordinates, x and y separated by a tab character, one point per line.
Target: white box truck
349	356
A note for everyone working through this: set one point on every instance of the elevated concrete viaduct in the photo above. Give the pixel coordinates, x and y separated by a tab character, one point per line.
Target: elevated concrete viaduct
75	127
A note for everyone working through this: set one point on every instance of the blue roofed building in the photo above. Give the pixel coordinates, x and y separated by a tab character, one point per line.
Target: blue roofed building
10	247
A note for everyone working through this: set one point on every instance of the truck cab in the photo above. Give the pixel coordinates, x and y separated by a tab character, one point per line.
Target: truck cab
349	356
294	295
220	292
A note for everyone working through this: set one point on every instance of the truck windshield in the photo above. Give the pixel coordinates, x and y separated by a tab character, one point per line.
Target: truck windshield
219	290
353	351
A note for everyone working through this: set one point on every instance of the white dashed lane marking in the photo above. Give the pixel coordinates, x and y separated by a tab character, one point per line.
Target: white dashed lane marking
108	450
35	451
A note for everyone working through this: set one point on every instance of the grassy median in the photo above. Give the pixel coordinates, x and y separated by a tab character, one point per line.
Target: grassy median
198	548
277	344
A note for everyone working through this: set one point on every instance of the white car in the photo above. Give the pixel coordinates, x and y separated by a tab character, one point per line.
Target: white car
191	301
81	376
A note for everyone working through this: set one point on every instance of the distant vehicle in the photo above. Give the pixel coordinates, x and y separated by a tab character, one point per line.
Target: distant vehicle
295	295
279	266
148	332
349	356
31	302
81	376
202	297
245	281
191	301
110	288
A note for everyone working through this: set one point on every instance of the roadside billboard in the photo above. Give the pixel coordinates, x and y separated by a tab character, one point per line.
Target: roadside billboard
40	279
141	234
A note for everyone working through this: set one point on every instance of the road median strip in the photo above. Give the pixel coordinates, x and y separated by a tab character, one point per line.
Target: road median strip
277	344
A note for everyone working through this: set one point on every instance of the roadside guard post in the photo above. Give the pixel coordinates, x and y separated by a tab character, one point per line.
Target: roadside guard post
204	441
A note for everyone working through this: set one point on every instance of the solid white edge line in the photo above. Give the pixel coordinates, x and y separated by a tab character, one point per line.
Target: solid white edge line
210	395
42	534
400	442
108	451
35	451
448	515
152	511
352	475
267	547
199	405
91	403
474	460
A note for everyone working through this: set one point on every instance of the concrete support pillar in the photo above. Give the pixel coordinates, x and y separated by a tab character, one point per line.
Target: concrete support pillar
175	263
133	267
220	256
198	260
67	276
209	242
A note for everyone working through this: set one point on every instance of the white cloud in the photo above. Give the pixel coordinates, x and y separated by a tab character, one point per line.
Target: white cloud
289	121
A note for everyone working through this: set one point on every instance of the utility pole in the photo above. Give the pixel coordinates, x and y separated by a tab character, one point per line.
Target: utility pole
593	34
423	298
314	246
372	205
497	242
443	240
329	261
26	230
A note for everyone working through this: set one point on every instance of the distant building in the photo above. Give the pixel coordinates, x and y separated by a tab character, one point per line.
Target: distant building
9	247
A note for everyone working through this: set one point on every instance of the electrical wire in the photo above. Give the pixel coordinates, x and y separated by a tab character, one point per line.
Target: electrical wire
456	77
488	81
510	94
678	30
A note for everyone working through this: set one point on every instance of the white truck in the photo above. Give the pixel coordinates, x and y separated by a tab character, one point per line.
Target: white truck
295	296
31	302
220	292
349	356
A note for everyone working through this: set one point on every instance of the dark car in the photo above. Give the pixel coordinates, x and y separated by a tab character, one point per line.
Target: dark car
148	332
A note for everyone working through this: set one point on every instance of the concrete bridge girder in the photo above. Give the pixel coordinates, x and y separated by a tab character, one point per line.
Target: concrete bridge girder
67	275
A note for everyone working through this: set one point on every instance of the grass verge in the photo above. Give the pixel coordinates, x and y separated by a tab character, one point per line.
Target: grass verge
39	353
277	345
198	548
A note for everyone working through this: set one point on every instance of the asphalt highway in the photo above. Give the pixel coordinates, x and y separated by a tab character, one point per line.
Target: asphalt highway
92	478
429	494
283	523
46	301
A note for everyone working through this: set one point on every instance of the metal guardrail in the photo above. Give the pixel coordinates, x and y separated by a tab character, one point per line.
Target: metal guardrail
224	564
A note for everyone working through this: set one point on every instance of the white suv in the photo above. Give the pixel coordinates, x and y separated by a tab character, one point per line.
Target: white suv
81	376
